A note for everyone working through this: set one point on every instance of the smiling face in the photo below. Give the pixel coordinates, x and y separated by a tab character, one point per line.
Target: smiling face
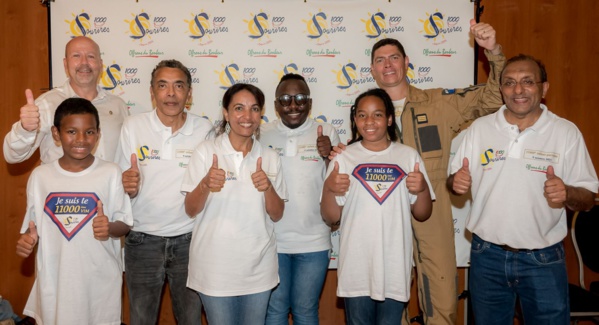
389	67
82	62
522	90
78	135
372	122
243	114
293	115
170	92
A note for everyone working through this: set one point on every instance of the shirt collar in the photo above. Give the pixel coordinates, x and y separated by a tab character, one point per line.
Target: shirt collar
223	142
70	92
540	125
158	126
281	127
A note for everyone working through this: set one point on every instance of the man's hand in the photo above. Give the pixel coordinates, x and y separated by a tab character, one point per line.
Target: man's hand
462	179
323	142
484	35
336	182
259	178
131	178
415	181
555	189
30	113
214	181
27	241
100	224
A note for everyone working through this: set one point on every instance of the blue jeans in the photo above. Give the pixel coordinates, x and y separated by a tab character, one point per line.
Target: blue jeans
148	261
301	279
537	277
237	310
365	311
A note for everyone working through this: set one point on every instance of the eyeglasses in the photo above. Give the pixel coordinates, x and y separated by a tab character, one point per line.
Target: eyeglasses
300	99
524	83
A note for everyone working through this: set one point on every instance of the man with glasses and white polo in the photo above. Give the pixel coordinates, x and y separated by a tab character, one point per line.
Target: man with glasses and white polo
524	166
303	239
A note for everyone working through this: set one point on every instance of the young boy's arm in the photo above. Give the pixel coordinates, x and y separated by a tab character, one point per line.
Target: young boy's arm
416	183
27	241
103	229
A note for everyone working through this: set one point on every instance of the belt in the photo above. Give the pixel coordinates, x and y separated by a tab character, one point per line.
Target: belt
515	250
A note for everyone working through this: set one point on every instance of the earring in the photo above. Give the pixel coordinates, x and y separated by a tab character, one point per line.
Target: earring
227	128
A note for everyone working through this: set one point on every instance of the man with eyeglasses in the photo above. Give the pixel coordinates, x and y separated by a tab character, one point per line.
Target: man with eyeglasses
524	165
303	239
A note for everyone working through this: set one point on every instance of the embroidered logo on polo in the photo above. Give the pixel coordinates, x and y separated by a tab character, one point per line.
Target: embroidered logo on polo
71	211
380	180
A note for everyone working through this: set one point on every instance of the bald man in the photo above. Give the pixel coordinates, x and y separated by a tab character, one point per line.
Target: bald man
83	66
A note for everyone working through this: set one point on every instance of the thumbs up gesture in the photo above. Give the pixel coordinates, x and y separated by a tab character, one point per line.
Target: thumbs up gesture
462	179
415	181
337	183
555	189
215	179
131	178
27	241
100	224
323	142
259	178
30	113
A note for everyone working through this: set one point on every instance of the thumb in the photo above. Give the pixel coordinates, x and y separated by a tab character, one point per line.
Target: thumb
33	230
417	167
100	209
29	97
466	164
214	161
134	162
472	22
319	131
336	167
259	164
550	172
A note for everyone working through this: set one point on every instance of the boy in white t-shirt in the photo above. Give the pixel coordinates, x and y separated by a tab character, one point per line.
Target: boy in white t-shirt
78	263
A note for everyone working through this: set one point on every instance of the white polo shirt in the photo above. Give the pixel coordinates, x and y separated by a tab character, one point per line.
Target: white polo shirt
162	158
233	250
20	144
508	170
302	229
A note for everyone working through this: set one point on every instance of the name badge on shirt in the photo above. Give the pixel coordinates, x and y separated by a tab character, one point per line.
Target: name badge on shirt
421	118
183	153
537	155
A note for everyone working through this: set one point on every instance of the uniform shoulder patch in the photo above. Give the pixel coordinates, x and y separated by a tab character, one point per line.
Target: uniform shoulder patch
448	91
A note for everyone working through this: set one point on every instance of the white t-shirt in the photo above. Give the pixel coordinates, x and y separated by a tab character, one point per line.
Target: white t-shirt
399	106
162	158
233	250
302	229
508	170
20	144
375	252
78	278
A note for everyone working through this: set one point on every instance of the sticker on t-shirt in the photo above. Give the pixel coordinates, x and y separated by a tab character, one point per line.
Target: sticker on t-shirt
380	180
71	211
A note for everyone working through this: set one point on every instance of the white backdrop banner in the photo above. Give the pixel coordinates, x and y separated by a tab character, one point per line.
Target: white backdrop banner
235	41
